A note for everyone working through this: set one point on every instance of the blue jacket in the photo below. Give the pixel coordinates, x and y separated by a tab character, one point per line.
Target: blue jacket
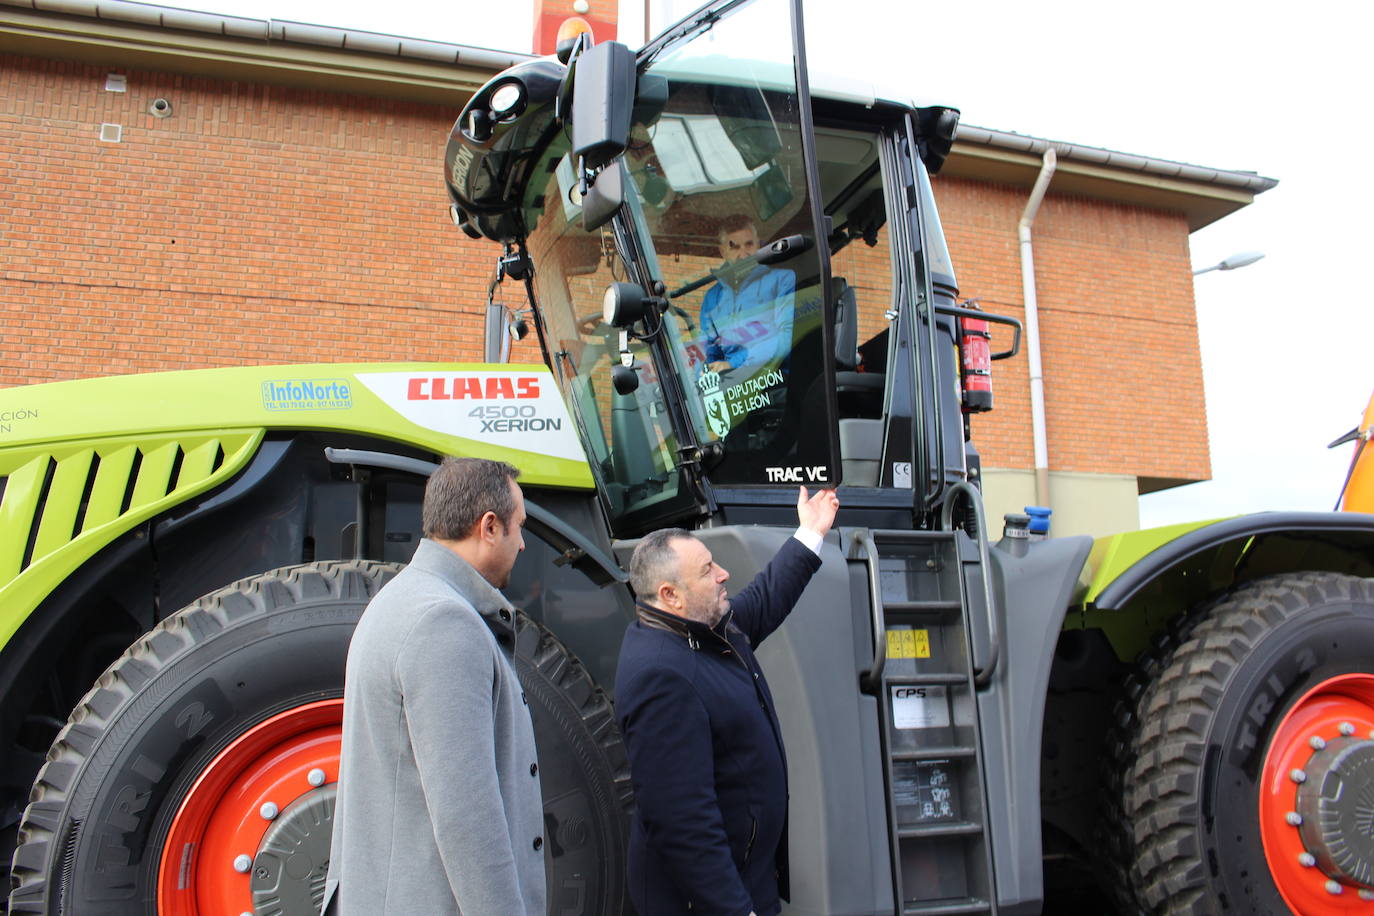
764	297
706	757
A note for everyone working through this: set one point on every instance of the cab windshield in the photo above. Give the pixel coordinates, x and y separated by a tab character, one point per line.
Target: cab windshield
720	178
716	184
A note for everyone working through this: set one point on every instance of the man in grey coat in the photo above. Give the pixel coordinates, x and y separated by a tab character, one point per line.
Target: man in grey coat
439	810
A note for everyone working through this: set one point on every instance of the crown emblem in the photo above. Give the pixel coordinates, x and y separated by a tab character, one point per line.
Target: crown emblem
713	399
709	383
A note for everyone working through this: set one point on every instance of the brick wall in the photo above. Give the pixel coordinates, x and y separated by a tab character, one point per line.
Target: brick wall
261	224
256	224
1119	345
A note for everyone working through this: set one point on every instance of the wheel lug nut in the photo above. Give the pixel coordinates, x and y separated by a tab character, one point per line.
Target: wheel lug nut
1334	887
242	863
269	811
1306	859
1345	728
1316	742
1298	776
1294	819
315	777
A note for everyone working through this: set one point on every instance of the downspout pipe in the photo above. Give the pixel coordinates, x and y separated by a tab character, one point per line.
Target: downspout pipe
1037	374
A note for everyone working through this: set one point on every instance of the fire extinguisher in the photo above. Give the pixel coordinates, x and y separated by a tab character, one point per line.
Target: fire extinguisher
975	361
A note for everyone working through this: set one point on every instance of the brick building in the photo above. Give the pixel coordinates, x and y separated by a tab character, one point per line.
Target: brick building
182	190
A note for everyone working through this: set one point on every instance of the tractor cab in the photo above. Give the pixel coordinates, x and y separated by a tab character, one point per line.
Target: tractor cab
739	279
737	276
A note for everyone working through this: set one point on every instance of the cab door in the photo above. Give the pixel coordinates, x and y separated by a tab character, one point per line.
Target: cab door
723	157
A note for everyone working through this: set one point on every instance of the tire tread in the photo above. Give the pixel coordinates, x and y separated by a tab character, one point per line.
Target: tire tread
1160	784
41	851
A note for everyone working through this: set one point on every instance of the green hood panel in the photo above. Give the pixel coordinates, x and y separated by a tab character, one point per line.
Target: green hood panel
84	462
511	413
63	503
1113	555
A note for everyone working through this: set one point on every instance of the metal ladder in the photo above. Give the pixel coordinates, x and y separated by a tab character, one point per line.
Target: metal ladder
924	676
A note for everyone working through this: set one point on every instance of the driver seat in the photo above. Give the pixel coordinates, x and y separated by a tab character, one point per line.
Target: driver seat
860	393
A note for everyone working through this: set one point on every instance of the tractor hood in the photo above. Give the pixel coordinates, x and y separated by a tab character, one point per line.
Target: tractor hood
512	413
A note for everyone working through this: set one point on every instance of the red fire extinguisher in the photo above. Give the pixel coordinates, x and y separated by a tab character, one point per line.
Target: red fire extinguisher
975	361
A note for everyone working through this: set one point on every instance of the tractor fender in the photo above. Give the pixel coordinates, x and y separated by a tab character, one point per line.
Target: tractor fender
1234	550
578	549
1140	580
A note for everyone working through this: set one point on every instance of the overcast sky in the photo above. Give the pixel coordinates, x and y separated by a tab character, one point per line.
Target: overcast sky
1276	89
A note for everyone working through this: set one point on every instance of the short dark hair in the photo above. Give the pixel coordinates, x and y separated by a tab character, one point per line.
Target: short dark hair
461	491
735	222
655	561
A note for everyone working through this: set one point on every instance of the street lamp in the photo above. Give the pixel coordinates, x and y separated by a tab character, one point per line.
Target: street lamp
1244	259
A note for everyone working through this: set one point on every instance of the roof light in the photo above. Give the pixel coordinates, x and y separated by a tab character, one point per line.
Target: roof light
572	29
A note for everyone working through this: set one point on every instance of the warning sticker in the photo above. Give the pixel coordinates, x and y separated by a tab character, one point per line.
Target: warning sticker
908	644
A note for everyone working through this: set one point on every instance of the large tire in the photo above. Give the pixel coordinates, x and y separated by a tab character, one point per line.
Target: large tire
228	671
1211	738
1114	833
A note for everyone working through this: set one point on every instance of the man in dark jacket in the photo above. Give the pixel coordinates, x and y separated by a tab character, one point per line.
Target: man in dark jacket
706	754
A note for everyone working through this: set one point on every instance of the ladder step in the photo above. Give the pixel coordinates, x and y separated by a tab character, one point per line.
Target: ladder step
902	536
934	753
957	828
934	678
921	607
950	908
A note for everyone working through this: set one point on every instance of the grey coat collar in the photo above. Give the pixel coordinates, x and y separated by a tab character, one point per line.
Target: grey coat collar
438	560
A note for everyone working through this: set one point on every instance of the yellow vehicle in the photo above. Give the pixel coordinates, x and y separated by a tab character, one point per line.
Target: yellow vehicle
1357	493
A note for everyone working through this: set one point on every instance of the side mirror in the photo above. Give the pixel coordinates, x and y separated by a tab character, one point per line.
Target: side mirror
496	337
604	197
603	100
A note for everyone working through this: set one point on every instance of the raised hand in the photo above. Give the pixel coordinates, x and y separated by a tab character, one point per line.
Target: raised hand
817	513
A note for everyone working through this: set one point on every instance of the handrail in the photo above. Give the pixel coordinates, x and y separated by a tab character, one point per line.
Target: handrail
994	318
981	677
870	680
925	307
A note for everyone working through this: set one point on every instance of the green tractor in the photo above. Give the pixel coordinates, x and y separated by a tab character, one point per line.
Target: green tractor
1173	721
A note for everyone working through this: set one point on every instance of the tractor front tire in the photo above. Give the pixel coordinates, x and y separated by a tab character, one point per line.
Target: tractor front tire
151	800
1268	674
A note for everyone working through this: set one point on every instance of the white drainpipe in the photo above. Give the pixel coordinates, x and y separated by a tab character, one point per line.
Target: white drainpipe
1037	375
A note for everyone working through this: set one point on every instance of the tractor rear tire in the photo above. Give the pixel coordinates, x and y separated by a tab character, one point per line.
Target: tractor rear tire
264	659
1206	735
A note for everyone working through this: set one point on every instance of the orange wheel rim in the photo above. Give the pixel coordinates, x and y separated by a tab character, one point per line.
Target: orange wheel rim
206	867
1336	714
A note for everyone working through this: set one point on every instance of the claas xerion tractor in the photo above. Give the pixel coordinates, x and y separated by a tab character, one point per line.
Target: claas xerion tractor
1172	721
